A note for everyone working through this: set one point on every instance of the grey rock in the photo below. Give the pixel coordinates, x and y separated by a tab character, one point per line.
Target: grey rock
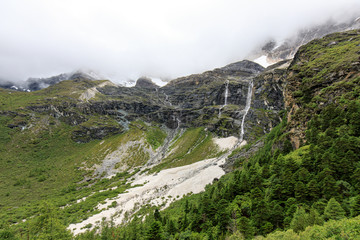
145	82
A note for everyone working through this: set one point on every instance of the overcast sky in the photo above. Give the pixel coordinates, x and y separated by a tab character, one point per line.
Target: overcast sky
127	39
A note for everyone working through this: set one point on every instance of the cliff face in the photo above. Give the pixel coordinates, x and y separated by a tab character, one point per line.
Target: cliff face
198	100
322	73
214	99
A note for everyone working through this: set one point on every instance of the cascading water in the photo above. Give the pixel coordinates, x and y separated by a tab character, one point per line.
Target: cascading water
178	123
226	96
167	99
226	92
122	119
247	107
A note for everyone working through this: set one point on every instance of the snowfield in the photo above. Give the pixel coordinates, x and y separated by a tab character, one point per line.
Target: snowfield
160	189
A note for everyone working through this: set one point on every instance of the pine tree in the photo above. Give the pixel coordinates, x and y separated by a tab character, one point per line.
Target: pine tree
245	227
334	210
154	232
187	209
277	215
328	183
185	223
222	217
355	208
312	190
300	220
300	191
315	218
170	227
355	179
157	215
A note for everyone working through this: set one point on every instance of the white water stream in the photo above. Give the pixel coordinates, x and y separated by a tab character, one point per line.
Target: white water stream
247	107
167	99
178	123
226	96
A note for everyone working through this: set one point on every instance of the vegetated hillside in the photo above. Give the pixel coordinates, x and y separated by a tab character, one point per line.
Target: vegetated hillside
57	144
306	174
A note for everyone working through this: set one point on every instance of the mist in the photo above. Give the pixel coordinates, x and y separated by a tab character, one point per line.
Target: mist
127	39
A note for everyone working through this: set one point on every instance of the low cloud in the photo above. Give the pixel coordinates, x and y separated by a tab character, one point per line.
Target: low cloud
127	39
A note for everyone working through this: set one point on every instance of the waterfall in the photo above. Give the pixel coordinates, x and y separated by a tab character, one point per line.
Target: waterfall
167	99
226	92
226	96
122	119
247	107
178	123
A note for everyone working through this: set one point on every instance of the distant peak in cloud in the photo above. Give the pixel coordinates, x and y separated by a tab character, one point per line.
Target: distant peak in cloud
272	51
124	40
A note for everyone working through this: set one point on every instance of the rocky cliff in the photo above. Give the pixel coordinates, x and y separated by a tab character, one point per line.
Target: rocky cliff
316	80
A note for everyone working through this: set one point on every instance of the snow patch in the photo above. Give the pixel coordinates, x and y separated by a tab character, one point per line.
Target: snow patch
226	143
158	81
91	92
262	61
157	189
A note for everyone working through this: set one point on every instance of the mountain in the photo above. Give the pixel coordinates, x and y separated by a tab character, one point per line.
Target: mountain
34	84
277	50
235	152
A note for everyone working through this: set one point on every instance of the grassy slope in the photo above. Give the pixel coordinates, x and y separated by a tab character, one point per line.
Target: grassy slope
42	162
194	145
47	164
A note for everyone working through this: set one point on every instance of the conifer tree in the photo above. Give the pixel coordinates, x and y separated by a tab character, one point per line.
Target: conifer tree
157	215
154	232
355	208
300	220
300	191
315	218
334	210
312	190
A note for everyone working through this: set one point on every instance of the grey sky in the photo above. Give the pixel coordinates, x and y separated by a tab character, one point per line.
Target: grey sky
127	39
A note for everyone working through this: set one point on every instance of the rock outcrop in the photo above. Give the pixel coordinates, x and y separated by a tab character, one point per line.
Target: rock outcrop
313	83
145	82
